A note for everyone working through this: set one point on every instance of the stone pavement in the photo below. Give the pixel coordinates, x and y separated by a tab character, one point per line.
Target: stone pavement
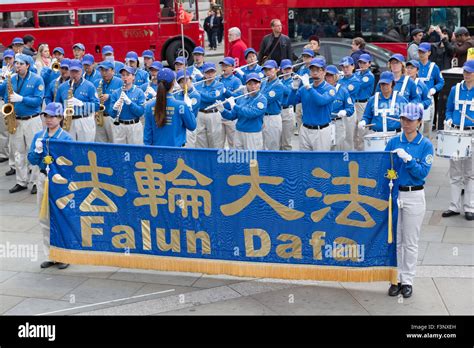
444	284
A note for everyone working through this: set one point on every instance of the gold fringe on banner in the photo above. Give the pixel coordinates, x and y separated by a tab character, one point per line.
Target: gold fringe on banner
234	268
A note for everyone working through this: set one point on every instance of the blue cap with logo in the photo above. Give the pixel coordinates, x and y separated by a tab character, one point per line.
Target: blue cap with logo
318	62
397	56
180	60
107	49
346	61
270	64
386	77
412	111
414	63
424	47
180	74
106	65
65	63
148	54
22	58
285	64
88	59
365	57
17	41
58	49
156	65
198	50
249	50
469	66
8	54
208	66
332	69
80	46
132	55
75	64
254	77
308	52
166	75
128	69
228	61
53	110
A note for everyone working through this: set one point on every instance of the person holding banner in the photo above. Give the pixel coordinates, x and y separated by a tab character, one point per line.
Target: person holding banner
166	118
248	111
53	116
287	112
415	157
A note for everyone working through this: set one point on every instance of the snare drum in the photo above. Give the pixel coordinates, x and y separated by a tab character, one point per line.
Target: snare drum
377	141
454	143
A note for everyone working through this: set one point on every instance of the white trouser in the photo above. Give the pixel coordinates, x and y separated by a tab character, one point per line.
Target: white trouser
341	135
359	134
83	129
350	124
105	134
190	138
128	133
298	116
11	151
315	139
44	222
287	128
461	175
228	127
411	210
272	126
248	141
25	131
4	153
209	131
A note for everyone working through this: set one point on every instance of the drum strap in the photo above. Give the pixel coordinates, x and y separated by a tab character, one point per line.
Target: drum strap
430	71
337	87
391	110
458	102
404	85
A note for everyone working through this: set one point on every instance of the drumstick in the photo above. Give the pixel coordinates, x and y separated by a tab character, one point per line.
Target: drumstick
369	125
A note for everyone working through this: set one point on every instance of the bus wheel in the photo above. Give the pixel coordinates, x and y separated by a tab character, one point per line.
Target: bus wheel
175	50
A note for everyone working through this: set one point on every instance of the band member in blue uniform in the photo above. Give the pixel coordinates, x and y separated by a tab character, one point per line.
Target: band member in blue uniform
197	70
403	84
366	90
53	87
108	55
148	59
90	73
141	76
288	110
352	84
413	67
251	58
150	87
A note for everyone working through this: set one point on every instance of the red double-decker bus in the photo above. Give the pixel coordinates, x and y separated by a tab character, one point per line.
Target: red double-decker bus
129	25
386	23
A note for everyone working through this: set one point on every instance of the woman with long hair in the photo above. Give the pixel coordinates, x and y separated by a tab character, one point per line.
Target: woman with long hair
166	119
43	58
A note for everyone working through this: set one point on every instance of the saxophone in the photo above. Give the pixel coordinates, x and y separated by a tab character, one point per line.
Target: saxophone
69	111
8	109
56	86
99	115
119	110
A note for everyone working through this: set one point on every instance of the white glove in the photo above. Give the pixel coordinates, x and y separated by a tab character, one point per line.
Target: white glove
117	105
76	102
239	71
126	99
197	72
16	98
432	91
296	83
305	81
231	102
405	156
342	113
362	124
448	123
220	107
150	91
39	145
188	101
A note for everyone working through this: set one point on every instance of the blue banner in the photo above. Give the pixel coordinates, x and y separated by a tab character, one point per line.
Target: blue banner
297	215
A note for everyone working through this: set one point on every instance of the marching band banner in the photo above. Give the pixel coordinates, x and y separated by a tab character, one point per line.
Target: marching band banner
293	215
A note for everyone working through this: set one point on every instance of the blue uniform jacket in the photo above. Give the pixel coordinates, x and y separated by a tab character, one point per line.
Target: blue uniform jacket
37	158
31	88
231	83
422	91
210	93
273	91
367	84
435	79
352	83
343	101
384	103
247	70
93	77
249	112
286	91
85	92
195	97
51	89
135	109
109	88
141	77
453	112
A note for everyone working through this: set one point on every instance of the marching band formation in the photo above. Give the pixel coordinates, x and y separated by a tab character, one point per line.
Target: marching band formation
258	106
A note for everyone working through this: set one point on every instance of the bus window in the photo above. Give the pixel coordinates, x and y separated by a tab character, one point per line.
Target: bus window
56	18
20	19
96	16
385	24
449	17
167	10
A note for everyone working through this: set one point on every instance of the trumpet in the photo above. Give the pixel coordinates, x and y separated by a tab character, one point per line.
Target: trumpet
69	111
119	111
8	109
55	66
99	115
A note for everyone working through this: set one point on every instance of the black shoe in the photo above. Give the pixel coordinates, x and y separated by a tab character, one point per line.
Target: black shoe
12	171
462	192
3	159
469	216
449	213
17	188
394	289
47	264
63	265
34	190
407	291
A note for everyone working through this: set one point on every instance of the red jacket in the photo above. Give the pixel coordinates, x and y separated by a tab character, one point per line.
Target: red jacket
236	50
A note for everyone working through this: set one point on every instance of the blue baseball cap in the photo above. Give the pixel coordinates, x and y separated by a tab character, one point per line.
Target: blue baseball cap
386	77
180	74
75	64
308	52
166	75
128	69
29	60
285	64
412	111
132	55
319	62
107	49
65	63
249	50
53	110
469	66
88	59
253	76
208	66
365	57
22	58
80	46
397	56
156	65
424	47
332	69
9	54
148	54
414	63
18	41
228	61
198	50
180	60
345	61
270	64
106	65
59	49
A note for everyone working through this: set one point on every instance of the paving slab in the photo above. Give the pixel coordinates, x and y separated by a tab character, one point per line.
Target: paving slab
102	272
461	235
7	302
457	294
432	233
34	306
157	277
17	224
427	217
155	289
422	247
258	286
453	221
27	261
8	197
212	281
449	254
445	271
20	209
4	275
